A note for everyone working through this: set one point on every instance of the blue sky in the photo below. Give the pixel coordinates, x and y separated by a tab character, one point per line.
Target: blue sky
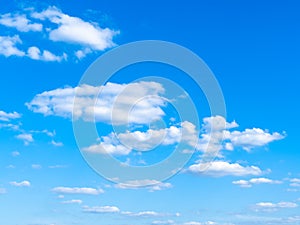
253	49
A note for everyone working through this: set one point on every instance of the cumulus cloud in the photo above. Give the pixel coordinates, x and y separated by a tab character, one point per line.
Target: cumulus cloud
36	54
77	190
74	30
8	46
295	182
101	209
52	25
270	207
222	168
261	180
217	136
4	116
24	183
20	22
26	138
116	99
123	143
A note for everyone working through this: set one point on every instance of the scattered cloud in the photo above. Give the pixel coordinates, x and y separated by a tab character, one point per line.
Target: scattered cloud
57	144
163	222
8	46
26	138
222	168
295	182
77	190
2	191
36	54
151	185
101	209
249	183
271	207
24	183
4	116
52	25
36	166
15	153
73	201
20	22
143	214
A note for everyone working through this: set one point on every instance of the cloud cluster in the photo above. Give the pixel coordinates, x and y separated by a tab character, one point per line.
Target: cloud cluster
114	99
271	207
54	26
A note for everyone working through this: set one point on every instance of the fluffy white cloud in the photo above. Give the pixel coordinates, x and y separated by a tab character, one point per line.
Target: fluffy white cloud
36	54
101	209
261	180
26	138
269	206
8	46
4	116
123	143
217	136
20	22
24	183
221	168
74	30
77	190
114	99
255	137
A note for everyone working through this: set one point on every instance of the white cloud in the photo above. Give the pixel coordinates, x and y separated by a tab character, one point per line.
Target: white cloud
2	191
20	22
57	144
101	209
4	116
151	185
221	168
15	153
163	222
261	180
270	207
8	46
295	182
143	214
77	190
76	31
36	166
36	54
255	137
123	143
114	98
27	138
73	201
24	183
217	135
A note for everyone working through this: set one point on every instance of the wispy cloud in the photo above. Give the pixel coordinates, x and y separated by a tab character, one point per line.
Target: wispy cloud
261	180
78	190
24	183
